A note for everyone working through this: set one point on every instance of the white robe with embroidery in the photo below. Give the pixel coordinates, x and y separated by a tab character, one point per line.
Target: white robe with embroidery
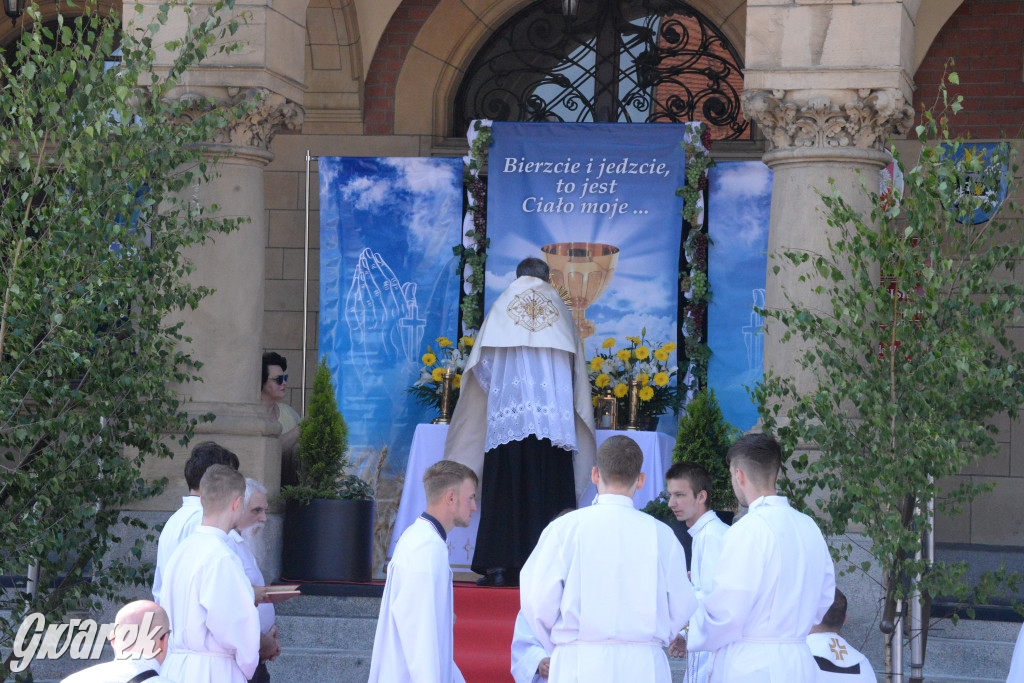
178	527
837	660
774	581
708	534
605	591
529	314
414	643
527	653
215	629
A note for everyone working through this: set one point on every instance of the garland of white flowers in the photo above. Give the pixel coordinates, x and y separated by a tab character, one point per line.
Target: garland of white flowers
693	282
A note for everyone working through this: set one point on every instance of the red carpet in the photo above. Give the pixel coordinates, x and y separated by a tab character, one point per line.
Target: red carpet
484	621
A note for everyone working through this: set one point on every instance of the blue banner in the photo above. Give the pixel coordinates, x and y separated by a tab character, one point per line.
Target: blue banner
738	212
598	203
388	287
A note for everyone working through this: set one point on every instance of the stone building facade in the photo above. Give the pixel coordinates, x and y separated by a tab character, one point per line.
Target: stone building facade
380	78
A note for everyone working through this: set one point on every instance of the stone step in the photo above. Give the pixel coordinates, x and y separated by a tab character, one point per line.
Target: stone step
352	633
299	665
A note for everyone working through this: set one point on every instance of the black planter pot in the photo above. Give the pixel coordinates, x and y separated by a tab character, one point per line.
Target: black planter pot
328	540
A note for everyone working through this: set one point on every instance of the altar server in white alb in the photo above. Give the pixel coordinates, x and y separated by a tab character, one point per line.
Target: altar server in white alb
139	641
605	590
837	660
215	629
414	642
530	661
185	519
689	489
774	580
1017	663
524	421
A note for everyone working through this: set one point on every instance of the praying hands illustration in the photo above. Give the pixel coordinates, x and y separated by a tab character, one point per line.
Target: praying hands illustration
382	313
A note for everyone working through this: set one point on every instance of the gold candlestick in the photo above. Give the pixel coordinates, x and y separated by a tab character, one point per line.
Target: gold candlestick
634	405
446	397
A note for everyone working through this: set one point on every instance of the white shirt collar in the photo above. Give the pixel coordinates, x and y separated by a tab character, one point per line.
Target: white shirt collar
211	530
613	499
768	500
191	502
701	522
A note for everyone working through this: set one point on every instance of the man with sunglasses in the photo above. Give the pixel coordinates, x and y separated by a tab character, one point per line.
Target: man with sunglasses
274	388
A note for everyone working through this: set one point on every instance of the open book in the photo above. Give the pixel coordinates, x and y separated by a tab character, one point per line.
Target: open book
283	592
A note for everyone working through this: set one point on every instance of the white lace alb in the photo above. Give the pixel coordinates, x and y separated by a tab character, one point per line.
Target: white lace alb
529	391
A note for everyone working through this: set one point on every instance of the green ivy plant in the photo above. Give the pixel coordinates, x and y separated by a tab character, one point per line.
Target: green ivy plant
911	370
475	256
96	213
323	449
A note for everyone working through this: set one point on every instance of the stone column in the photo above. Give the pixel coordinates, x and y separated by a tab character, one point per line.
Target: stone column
817	141
826	93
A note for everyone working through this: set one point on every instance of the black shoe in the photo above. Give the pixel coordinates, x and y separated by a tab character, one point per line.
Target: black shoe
494	578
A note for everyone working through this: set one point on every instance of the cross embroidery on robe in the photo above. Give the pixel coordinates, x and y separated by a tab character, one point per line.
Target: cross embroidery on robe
532	310
838	650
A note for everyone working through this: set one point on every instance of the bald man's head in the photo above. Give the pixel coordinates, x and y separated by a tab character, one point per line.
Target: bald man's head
141	630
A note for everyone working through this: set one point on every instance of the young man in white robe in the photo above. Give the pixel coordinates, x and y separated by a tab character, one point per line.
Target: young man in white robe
414	641
837	660
524	421
689	488
1017	663
185	519
605	589
139	641
215	628
530	661
241	539
773	582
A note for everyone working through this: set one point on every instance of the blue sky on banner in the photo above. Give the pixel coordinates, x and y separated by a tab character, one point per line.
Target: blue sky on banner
738	208
388	288
610	184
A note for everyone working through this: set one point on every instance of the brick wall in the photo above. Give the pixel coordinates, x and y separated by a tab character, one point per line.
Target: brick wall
986	40
379	116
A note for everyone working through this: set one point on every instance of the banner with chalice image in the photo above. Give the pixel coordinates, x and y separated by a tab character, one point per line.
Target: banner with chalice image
598	203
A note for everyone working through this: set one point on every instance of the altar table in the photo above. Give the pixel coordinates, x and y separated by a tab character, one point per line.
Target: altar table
428	447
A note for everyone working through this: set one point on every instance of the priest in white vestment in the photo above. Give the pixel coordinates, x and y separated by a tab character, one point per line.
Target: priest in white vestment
530	661
414	639
524	421
215	628
139	641
689	489
605	590
837	660
242	539
774	580
185	519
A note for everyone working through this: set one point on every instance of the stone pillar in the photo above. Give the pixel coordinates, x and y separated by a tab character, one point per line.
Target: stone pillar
826	94
816	140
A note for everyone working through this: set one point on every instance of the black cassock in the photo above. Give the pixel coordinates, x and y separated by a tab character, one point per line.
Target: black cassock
525	484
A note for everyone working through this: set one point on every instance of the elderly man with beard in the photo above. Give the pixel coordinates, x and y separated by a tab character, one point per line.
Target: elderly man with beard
244	539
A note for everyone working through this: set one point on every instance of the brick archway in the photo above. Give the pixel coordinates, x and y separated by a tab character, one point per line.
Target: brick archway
419	61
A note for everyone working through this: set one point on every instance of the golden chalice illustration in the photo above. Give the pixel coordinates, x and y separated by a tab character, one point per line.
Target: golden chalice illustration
583	269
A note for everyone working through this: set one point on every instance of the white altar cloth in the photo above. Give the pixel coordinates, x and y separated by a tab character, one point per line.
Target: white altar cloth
428	447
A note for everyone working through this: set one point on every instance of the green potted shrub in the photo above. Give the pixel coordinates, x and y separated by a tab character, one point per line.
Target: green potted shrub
704	437
328	526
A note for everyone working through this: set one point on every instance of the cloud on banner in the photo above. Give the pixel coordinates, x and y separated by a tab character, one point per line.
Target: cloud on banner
388	287
607	194
738	208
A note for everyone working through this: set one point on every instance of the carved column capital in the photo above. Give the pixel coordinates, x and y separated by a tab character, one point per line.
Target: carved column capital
834	119
267	113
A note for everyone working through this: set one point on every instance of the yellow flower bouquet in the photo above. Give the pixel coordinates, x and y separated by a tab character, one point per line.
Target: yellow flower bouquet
651	365
427	389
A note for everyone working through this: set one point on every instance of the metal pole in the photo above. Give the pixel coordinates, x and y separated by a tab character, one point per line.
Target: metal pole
305	298
916	633
897	645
